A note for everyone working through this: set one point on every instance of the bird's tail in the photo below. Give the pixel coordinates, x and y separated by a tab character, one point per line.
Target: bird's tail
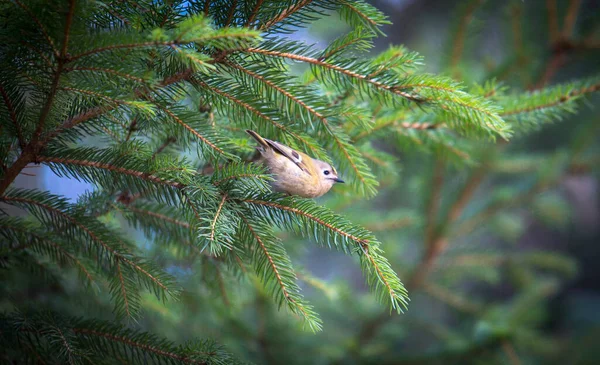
259	139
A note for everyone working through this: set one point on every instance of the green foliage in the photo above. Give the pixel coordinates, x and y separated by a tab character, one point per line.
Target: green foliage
51	338
147	101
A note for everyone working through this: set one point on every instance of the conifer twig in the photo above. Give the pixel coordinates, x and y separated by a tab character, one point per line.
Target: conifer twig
231	13
135	344
285	13
553	29
105	166
254	12
439	239
434	201
13	118
41	26
459	41
455	301
339	69
510	352
570	18
91	234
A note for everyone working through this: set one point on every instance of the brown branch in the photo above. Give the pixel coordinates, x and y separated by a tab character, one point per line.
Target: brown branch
459	41
214	221
139	345
433	204
270	259
105	166
561	100
206	7
254	12
231	13
76	120
339	69
470	224
285	13
439	240
68	24
123	291
62	59
221	285
516	10
361	241
360	13
557	60
570	18
510	352
162	147
190	129
14	170
553	29
13	117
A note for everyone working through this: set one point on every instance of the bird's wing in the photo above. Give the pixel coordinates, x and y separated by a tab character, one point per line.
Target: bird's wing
288	152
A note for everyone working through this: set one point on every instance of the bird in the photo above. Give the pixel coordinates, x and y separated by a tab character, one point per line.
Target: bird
295	173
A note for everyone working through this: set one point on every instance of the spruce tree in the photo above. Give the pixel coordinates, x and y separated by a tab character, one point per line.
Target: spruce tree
148	102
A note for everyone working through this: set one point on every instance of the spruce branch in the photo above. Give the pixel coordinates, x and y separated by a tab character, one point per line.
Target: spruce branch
287	12
254	13
347	72
103	166
274	258
13	118
570	18
553	28
305	141
69	223
180	121
40	26
41	242
461	33
306	218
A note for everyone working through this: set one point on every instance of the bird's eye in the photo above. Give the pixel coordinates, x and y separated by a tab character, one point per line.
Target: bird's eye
326	172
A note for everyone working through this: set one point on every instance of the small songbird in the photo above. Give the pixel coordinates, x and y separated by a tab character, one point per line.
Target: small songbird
295	173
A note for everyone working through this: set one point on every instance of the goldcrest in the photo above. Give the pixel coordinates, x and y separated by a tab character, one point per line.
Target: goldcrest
295	172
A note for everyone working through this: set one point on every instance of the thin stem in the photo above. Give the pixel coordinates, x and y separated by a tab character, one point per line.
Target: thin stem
434	200
13	117
40	25
285	14
254	12
553	29
459	42
570	18
439	239
231	13
510	352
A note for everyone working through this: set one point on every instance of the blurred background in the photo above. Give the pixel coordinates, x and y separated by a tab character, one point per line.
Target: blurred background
513	275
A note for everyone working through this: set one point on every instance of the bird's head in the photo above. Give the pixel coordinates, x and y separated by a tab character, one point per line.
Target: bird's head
326	174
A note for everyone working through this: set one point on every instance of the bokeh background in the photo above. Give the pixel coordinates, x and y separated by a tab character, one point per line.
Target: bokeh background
518	280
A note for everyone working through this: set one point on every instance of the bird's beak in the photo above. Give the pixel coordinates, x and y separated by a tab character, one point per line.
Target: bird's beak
338	180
